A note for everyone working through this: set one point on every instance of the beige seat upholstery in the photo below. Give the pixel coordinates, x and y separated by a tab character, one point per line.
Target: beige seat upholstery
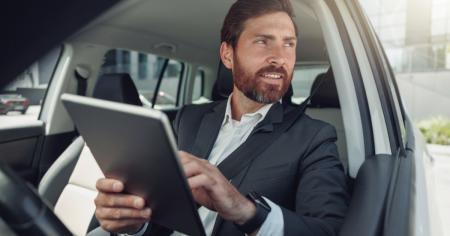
325	106
69	184
75	206
333	116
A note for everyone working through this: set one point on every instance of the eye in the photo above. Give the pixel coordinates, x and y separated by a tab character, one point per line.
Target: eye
260	41
290	44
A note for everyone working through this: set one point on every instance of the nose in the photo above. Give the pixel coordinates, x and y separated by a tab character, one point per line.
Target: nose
277	58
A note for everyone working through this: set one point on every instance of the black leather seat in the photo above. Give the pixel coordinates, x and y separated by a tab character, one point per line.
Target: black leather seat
117	87
326	95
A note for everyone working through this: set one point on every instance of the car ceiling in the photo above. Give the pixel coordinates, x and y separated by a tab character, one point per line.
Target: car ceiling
190	27
32	28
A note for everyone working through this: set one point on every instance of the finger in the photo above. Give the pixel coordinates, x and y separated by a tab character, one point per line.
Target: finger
106	213
184	157
193	168
109	185
202	180
119	200
122	226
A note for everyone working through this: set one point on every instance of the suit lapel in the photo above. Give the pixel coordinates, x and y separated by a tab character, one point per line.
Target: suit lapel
208	131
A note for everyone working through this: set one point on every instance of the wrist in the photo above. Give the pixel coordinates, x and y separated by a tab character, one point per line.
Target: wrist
252	222
247	212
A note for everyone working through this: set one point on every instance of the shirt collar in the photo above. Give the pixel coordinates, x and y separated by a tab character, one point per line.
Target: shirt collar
259	115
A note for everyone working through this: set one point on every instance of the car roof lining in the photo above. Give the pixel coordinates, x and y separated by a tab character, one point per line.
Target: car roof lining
194	32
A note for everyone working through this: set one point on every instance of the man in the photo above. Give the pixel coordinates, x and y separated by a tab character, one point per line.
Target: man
295	186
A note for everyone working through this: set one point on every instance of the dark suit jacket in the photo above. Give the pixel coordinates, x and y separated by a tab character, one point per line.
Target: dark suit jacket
300	171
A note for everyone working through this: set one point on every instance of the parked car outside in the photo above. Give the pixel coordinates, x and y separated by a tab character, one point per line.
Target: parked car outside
13	102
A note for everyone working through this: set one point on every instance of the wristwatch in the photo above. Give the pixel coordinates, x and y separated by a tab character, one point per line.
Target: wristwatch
262	210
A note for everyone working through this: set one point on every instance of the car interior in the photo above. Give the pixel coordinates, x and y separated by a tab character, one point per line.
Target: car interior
104	60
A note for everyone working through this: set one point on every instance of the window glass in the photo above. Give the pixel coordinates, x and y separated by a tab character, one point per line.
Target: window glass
199	81
145	69
24	96
167	95
304	76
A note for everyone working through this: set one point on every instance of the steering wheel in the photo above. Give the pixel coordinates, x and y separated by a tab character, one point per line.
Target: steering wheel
22	208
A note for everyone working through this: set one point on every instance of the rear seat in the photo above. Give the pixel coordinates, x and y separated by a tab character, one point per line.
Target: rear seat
325	106
69	184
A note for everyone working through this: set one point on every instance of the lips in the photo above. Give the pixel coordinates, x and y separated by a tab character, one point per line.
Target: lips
272	75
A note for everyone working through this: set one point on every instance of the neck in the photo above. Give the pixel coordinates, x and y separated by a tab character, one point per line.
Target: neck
241	104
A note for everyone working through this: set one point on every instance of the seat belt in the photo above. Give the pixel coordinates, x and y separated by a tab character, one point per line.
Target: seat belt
256	145
81	75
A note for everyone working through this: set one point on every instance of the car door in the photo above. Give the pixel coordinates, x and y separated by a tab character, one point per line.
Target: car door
381	202
23	141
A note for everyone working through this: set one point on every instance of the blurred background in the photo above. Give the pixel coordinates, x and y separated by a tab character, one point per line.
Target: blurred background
416	37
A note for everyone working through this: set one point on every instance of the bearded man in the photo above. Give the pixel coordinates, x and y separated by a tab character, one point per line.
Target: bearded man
294	185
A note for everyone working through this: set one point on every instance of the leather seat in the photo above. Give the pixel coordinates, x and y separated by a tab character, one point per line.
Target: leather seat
324	105
69	184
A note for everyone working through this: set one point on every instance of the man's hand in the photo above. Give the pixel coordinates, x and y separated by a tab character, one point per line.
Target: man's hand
118	212
212	190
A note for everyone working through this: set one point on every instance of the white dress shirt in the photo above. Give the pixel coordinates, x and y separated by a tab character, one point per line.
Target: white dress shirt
232	134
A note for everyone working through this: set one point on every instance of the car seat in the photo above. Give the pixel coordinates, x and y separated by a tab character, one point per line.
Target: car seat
69	184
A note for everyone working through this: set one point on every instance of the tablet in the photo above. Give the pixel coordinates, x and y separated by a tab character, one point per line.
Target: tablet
136	145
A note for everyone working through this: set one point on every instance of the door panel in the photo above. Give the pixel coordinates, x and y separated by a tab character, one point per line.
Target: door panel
18	146
366	213
52	147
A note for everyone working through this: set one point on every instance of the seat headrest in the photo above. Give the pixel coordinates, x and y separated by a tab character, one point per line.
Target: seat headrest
117	87
326	95
224	86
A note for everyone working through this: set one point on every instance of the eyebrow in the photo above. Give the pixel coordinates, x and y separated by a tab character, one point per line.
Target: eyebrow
271	37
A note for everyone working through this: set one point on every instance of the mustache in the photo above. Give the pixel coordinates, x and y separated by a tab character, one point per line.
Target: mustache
273	69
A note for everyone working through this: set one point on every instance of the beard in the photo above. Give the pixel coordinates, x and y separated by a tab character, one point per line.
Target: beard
253	86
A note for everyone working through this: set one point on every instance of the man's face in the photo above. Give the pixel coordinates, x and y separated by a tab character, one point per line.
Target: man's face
264	57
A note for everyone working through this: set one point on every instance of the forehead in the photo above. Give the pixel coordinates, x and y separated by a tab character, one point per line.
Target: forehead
277	24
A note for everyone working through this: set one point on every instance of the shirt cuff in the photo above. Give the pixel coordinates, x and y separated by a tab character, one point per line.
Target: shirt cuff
138	233
274	223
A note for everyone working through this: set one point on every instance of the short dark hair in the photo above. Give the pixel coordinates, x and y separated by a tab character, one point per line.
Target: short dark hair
242	10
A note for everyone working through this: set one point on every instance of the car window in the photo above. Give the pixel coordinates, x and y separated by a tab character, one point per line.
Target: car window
304	76
24	96
170	85
145	70
199	85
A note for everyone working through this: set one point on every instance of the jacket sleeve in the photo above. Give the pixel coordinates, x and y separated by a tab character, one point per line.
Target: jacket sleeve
322	193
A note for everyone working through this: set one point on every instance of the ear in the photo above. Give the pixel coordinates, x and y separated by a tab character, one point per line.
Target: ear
226	55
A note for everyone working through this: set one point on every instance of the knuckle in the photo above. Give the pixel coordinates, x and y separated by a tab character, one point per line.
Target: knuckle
96	201
130	201
99	200
99	213
99	184
116	213
195	165
110	201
